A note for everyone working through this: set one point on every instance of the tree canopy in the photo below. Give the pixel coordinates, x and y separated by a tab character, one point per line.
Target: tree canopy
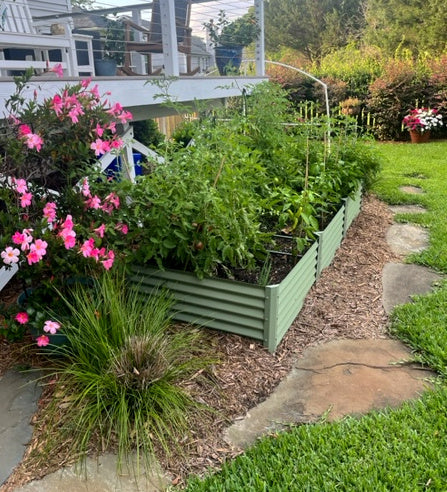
316	28
312	27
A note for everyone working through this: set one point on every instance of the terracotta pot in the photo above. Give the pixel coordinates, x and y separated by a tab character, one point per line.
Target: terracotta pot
418	137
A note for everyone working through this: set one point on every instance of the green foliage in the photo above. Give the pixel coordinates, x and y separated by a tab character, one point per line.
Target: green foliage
240	32
402	449
394	93
196	212
392	450
406	24
147	132
423	325
313	28
184	132
114	42
216	204
423	166
120	377
356	67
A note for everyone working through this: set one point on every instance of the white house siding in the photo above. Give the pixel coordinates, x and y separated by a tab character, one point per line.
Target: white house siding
41	8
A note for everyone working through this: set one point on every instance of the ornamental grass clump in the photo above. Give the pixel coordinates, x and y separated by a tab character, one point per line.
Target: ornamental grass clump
121	379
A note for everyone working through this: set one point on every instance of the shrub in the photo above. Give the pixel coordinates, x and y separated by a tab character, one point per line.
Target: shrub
119	379
147	132
402	85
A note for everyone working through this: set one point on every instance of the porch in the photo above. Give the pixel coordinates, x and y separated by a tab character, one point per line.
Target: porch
183	74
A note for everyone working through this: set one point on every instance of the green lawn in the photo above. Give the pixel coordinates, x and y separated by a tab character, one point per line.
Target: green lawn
397	450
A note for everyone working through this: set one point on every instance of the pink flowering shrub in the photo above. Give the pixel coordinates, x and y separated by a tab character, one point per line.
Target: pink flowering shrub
60	217
56	141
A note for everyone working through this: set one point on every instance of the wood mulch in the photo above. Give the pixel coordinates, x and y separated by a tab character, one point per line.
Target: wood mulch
345	302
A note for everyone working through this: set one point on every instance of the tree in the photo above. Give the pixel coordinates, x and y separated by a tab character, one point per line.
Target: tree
310	26
415	25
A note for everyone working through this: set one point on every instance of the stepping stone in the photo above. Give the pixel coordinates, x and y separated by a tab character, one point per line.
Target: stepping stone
405	239
99	476
407	209
402	281
414	190
342	377
19	395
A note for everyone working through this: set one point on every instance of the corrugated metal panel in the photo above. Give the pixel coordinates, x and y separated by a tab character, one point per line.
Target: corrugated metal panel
215	303
329	240
294	288
352	206
250	310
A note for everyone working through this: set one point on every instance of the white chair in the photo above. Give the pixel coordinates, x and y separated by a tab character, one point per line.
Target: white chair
19	32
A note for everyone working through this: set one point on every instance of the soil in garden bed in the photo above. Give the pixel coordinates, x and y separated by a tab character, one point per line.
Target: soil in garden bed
345	302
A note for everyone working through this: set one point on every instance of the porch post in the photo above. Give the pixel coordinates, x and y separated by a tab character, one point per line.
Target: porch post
260	45
138	61
169	38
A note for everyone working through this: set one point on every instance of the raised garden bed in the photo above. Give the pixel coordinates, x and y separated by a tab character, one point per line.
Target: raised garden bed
263	313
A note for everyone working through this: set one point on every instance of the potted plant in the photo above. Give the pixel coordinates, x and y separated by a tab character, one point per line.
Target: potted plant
230	37
114	48
420	121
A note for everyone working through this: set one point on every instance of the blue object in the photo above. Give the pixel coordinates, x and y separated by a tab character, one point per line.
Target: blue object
115	167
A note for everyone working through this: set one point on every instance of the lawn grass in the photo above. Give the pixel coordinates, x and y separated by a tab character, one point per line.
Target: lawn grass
392	450
424	166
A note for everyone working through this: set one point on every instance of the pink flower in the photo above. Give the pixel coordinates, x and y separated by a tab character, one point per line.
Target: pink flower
23	238
58	70
33	257
95	92
85	190
114	199
68	235
118	143
94	253
49	211
99	130
115	110
87	247
57	104
75	112
22	318
107	207
20	185
125	116
24	130
34	141
112	127
93	202
122	227
10	255
68	223
40	247
107	264
86	82
100	230
51	327
25	200
100	146
42	341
